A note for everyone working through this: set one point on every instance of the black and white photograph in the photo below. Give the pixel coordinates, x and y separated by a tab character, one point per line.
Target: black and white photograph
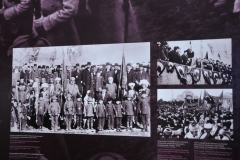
97	89
195	62
195	114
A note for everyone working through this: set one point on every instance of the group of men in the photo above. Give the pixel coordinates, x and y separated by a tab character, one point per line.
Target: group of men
81	97
195	124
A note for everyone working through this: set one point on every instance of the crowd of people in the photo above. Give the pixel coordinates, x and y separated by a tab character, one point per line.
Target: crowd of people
80	97
195	123
214	71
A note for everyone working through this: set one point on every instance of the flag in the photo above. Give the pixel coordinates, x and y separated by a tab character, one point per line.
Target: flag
206	56
123	78
63	69
219	56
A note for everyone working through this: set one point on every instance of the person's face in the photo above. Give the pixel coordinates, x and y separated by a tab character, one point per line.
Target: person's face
69	98
141	68
20	69
109	102
54	100
118	102
34	67
78	99
129	98
72	81
100	102
43	80
116	67
21	80
44	88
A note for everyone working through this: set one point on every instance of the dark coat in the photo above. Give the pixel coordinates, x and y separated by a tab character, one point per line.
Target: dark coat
98	82
144	105
78	76
130	76
87	79
58	23
116	78
143	75
78	107
100	110
128	107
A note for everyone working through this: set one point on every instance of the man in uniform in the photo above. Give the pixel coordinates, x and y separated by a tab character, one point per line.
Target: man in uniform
69	111
54	112
72	89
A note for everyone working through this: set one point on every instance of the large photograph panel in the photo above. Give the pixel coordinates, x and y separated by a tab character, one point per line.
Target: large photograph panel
97	89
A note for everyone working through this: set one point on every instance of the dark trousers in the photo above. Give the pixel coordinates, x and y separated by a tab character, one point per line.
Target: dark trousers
23	124
68	119
101	121
129	121
40	119
110	121
119	121
144	120
79	118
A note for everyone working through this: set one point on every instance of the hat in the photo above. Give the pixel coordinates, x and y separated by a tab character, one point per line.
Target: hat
72	78
107	63
116	64
131	84
43	66
40	95
77	64
57	79
35	64
110	78
54	97
144	82
44	85
88	63
47	66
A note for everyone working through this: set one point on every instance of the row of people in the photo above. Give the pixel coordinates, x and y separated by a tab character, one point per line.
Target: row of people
86	76
25	114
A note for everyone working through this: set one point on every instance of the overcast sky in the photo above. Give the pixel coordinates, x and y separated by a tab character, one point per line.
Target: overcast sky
219	47
167	94
96	54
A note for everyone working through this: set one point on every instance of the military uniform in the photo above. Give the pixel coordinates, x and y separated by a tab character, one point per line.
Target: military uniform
144	108
118	112
34	74
22	113
42	108
79	113
111	90
54	111
73	90
110	115
69	112
100	112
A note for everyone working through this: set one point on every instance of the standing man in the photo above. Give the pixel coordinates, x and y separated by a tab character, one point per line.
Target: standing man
78	77
54	111
87	77
72	88
69	111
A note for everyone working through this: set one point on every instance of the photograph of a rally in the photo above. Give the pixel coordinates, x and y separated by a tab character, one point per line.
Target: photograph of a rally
195	62
85	89
195	114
